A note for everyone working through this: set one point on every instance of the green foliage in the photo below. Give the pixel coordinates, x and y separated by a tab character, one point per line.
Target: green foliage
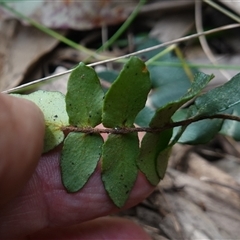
168	83
224	99
119	109
164	114
84	98
80	155
152	145
232	128
162	161
199	132
53	107
218	99
119	169
127	95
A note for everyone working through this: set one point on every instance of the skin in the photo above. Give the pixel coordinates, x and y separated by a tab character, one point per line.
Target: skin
33	202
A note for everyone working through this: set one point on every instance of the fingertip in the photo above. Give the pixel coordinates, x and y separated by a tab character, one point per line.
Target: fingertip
21	143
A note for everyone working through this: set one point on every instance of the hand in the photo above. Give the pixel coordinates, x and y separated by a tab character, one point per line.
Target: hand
33	201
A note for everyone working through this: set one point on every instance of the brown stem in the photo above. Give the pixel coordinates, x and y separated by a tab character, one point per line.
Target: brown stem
169	125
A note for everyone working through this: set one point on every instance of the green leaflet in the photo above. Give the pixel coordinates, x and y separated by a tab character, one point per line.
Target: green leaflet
162	161
232	128
127	95
198	132
164	114
219	99
201	132
84	98
214	101
151	146
53	107
154	143
119	170
123	101
79	158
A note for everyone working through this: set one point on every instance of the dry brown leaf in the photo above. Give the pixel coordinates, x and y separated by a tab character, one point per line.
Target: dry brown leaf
20	48
73	14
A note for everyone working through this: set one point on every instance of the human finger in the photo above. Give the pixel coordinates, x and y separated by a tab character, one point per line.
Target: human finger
44	203
21	143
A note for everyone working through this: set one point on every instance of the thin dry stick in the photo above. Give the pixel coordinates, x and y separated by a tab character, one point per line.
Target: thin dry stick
53	77
203	40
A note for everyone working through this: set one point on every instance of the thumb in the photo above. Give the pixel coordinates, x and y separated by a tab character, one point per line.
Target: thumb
21	143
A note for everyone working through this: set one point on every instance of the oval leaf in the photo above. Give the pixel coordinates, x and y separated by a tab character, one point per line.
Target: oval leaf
151	146
53	107
127	95
198	132
219	99
119	170
84	98
154	143
79	158
201	132
164	114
